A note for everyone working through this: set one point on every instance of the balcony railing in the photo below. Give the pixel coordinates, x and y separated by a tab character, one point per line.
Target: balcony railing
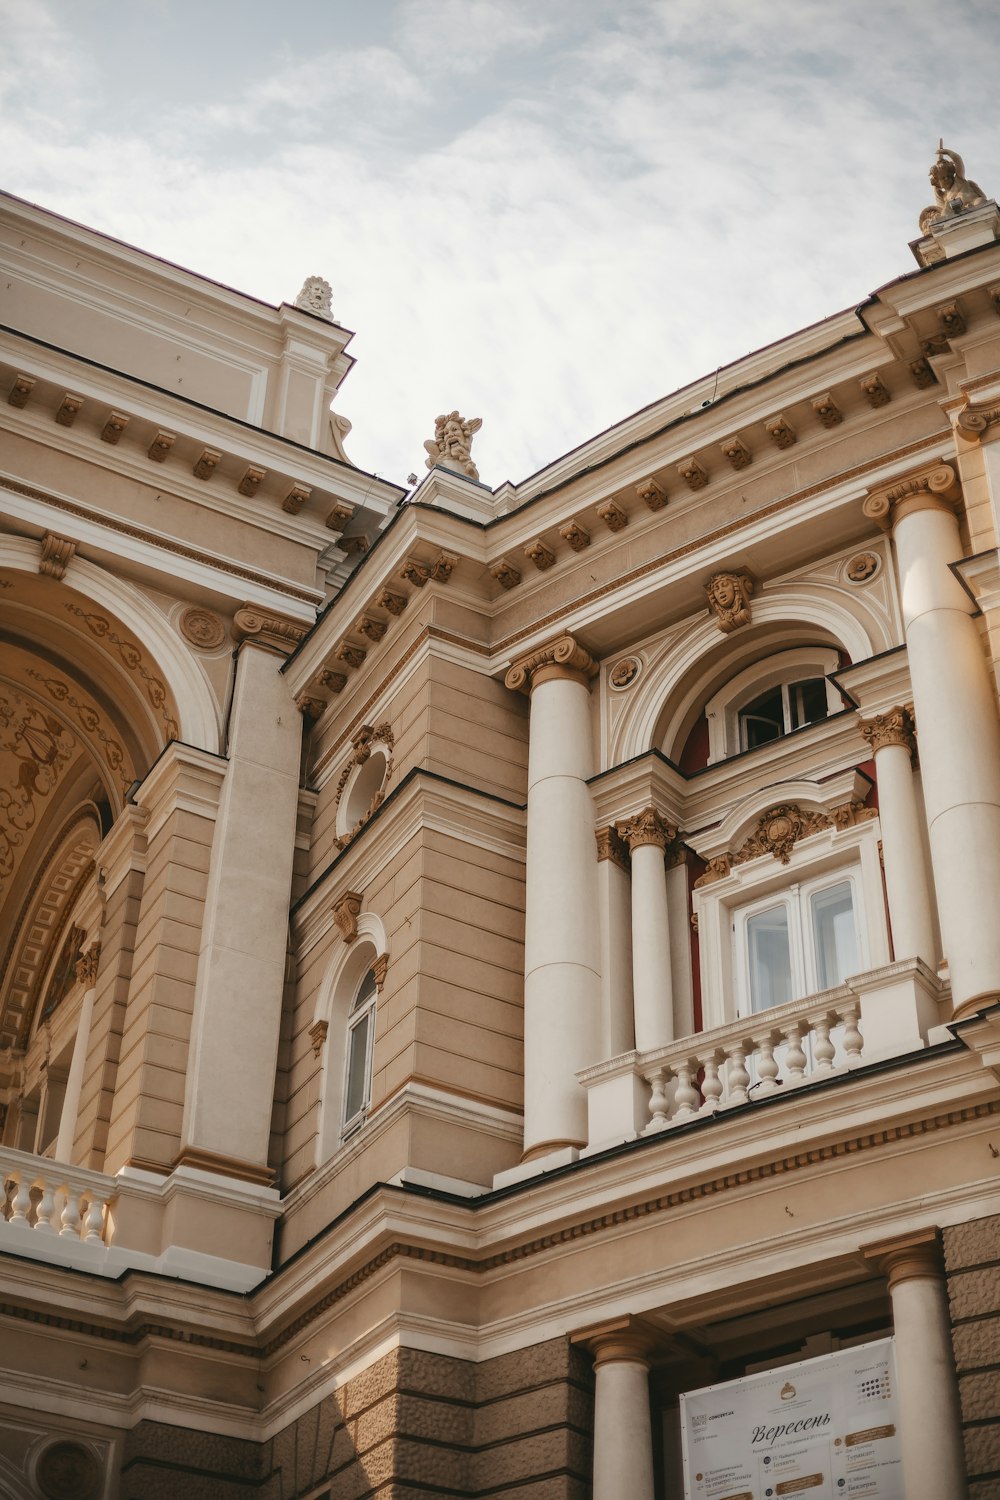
48	1197
886	1012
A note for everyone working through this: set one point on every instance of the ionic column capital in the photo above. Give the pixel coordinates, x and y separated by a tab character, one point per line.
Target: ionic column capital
933	488
894	727
908	1257
979	424
646	827
562	657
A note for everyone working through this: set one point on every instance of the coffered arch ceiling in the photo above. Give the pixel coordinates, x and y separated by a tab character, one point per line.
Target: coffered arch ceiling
84	712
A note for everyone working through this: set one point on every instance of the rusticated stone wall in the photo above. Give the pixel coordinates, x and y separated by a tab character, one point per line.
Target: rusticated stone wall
972	1264
412	1425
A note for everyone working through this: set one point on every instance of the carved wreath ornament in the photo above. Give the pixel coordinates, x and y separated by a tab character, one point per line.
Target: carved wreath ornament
367	738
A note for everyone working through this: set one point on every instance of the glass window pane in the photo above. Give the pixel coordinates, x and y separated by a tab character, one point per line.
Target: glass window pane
770	958
762	720
357	1067
834	935
807	701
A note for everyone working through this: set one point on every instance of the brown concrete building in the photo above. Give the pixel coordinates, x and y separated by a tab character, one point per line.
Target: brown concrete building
481	967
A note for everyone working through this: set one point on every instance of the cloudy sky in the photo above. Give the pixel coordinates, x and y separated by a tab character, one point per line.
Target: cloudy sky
544	212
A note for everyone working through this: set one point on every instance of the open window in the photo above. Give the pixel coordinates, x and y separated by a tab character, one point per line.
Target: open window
360	1040
772	698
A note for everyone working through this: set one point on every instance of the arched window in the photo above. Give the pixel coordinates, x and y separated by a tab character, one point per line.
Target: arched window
771	699
358	1052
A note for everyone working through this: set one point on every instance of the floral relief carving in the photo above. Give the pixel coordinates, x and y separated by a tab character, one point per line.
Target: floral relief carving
646	827
862	566
40	748
729	599
651	494
90	720
625	671
737	452
875	390
578	536
505	573
780	431
86	966
923	375
132	657
827	410
610	846
202	628
849	814
717	869
694	474
542	556
614	516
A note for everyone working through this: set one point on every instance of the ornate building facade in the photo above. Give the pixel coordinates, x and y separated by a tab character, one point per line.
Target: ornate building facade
482	966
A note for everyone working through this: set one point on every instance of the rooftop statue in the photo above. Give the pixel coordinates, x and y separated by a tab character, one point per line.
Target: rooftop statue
953	191
316	297
451	445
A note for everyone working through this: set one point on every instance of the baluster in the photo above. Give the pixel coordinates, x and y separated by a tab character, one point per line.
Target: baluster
687	1099
94	1222
711	1086
46	1208
20	1204
824	1051
767	1068
659	1104
738	1079
70	1217
795	1057
853	1041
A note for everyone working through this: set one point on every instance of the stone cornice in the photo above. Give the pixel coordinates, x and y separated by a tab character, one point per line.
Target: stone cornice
931	488
563	657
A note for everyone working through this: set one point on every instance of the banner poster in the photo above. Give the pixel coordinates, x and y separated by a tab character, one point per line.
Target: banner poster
820	1429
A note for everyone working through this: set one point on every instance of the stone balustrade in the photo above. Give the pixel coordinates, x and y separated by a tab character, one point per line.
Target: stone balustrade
47	1197
752	1058
883	1013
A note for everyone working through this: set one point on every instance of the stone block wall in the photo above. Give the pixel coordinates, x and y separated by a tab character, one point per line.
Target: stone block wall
412	1425
972	1265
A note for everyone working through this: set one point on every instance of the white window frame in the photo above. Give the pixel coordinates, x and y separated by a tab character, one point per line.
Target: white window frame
815	862
796	898
362	1012
785	667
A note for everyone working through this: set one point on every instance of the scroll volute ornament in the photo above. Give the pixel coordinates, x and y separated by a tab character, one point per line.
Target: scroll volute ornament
563	657
935	488
346	910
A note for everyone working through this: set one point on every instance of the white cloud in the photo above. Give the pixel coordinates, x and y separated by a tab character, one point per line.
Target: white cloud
545	216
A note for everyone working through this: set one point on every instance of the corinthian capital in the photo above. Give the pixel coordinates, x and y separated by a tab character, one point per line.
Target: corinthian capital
932	488
562	657
646	827
894	727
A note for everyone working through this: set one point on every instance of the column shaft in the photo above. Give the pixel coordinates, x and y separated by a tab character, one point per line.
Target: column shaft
562	985
238	995
906	876
959	749
651	978
623	1440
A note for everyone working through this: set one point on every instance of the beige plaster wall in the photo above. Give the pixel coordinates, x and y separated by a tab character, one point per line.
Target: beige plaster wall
972	1264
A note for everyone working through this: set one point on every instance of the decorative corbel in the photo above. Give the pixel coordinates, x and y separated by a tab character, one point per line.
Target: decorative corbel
827	410
57	553
651	494
20	390
206	463
380	968
114	426
694	474
67	410
338	517
613	515
296	498
346	910
505	573
543	557
780	431
317	1036
252	480
576	535
737	452
875	390
161	446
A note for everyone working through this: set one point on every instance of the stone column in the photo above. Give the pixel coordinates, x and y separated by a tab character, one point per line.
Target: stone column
562	983
86	973
647	837
930	1415
241	968
890	736
623	1438
956	718
614	897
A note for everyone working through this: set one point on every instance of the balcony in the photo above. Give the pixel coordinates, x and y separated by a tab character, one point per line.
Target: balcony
887	1012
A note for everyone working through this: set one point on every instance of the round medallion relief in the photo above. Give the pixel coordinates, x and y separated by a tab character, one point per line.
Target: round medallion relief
624	672
202	629
862	567
68	1471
